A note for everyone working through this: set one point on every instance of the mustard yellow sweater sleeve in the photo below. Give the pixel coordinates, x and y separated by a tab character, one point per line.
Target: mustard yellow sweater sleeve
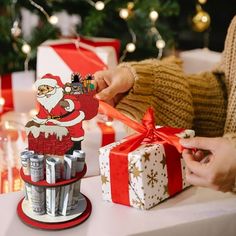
162	85
193	101
209	102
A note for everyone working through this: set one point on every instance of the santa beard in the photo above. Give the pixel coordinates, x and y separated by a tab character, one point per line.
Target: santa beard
50	102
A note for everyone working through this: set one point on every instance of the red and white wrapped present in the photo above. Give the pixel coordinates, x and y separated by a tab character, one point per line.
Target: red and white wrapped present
86	55
143	169
99	133
17	91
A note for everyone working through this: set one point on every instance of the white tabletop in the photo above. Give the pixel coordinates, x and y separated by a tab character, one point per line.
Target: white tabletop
196	211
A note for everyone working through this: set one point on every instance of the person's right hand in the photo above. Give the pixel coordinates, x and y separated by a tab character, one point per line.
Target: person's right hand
217	170
112	84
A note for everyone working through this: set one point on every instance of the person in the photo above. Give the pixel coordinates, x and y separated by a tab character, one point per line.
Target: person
57	109
205	102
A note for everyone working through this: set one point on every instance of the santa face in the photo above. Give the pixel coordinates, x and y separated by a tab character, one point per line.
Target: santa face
50	98
44	89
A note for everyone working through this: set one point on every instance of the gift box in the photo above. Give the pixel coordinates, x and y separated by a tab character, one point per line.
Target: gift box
146	168
199	60
17	91
99	132
86	55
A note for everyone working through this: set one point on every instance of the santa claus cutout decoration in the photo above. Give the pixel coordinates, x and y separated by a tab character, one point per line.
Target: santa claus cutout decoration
57	128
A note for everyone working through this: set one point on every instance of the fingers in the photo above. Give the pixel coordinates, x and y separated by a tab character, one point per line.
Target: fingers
104	86
199	155
193	165
195	180
99	80
201	143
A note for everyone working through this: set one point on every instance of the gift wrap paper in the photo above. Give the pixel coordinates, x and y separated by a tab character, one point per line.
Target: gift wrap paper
148	178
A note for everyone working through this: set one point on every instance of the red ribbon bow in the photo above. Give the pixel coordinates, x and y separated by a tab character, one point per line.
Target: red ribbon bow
146	133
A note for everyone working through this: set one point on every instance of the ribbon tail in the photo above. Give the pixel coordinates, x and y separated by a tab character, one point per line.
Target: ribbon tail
108	110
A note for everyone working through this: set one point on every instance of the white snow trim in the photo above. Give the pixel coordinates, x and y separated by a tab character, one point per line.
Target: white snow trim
71	105
77	120
45	81
77	139
39	121
47	130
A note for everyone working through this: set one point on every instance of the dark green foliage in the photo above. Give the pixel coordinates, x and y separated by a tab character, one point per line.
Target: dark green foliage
106	23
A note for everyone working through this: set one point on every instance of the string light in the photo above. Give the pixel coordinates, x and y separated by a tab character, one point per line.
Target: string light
99	5
53	20
124	13
2	101
130	47
153	15
26	48
202	1
160	44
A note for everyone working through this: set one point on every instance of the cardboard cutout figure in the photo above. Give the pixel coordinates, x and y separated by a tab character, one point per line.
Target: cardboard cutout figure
57	128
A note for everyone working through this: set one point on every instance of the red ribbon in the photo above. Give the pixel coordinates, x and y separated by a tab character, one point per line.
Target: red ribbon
7	93
108	133
146	133
79	59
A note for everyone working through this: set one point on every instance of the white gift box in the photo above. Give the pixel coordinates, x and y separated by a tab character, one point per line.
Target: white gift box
65	56
154	171
93	141
17	91
199	60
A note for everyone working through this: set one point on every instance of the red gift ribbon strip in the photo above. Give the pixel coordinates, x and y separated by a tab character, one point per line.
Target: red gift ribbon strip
147	133
79	59
108	133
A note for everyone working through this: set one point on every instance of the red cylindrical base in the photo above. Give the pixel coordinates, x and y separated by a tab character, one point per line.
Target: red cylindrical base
54	226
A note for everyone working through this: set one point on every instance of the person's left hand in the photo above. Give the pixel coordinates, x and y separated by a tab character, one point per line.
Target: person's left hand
216	169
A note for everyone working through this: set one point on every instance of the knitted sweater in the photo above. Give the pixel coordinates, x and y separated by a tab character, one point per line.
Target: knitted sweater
189	101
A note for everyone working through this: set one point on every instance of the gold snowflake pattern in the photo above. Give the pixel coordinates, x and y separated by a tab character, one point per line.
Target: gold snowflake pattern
148	145
152	178
146	156
104	179
136	172
163	161
165	189
138	203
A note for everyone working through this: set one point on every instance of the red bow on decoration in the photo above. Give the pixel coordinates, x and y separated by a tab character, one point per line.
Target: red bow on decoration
146	133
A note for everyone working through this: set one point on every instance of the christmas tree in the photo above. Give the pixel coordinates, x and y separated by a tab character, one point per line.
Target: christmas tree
144	27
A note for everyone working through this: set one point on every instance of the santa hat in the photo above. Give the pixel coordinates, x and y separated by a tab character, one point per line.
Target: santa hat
49	79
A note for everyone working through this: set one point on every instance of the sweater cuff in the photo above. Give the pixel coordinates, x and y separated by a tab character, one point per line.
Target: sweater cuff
143	73
231	137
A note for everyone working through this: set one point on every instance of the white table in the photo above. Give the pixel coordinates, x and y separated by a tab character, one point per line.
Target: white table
196	211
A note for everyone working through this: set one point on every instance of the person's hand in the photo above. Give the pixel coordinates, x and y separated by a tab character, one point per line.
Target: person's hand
214	169
112	84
